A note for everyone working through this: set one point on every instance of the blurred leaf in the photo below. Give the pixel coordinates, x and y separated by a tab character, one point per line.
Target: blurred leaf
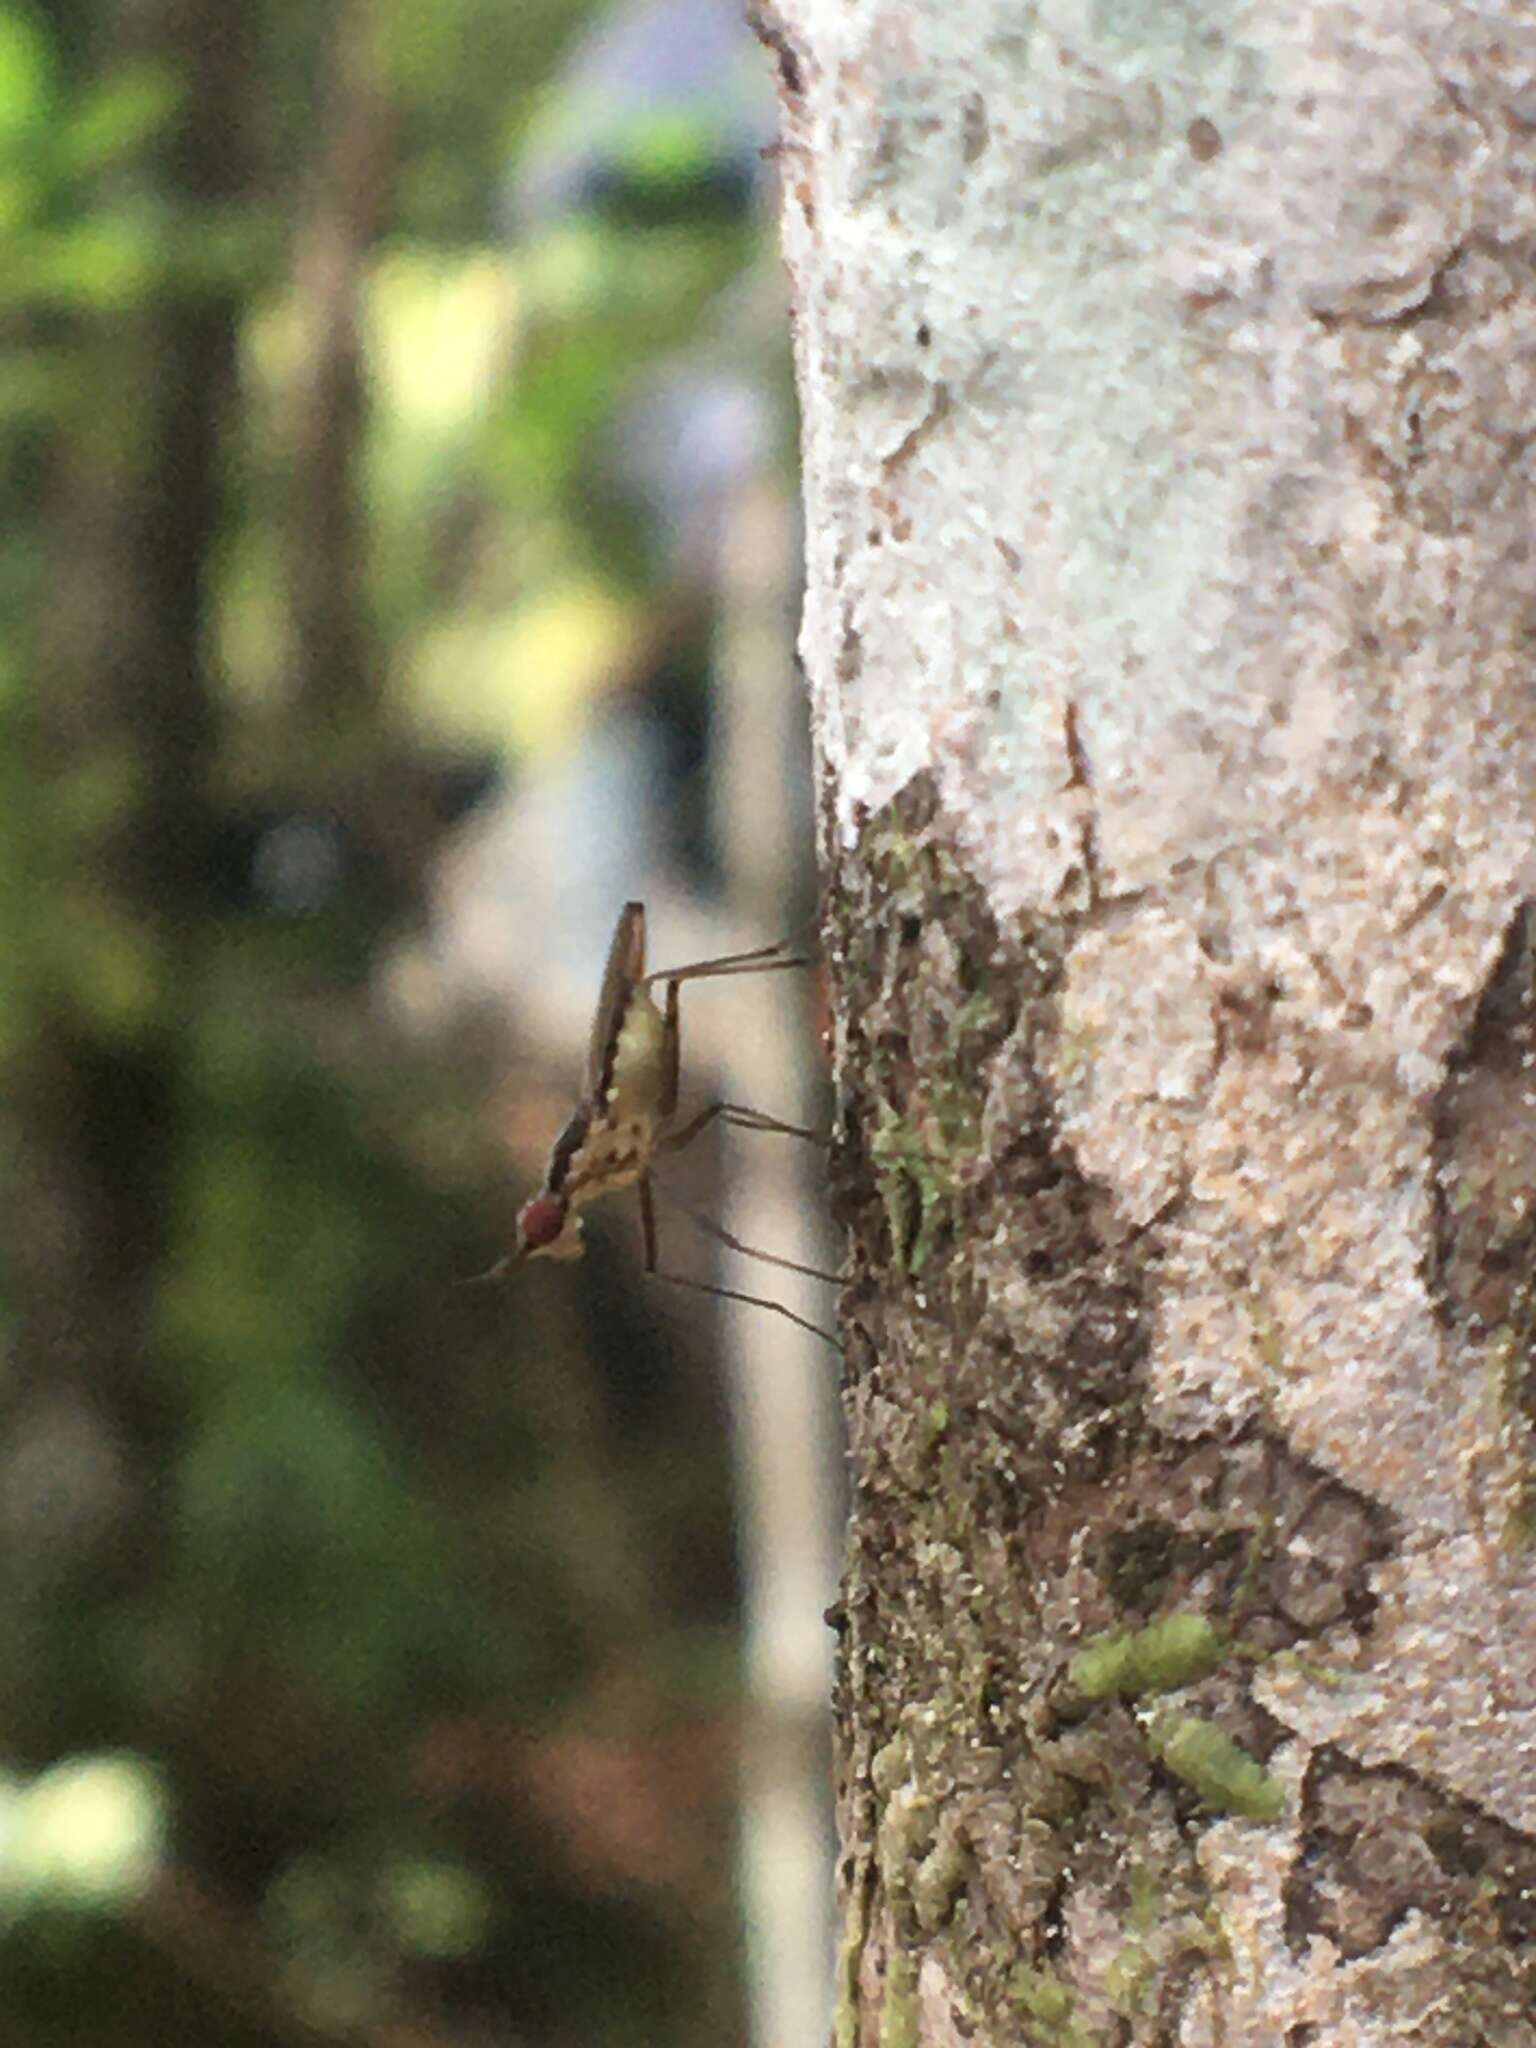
439	329
117	117
26	77
437	1908
671	148
102	265
97	960
86	1832
19	195
525	678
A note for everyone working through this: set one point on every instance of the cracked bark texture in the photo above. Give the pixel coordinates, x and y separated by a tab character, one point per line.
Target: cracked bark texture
1167	375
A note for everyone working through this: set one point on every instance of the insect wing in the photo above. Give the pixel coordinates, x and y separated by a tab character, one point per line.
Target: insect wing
626	966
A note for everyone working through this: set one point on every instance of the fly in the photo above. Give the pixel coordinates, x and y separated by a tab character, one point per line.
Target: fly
627	1117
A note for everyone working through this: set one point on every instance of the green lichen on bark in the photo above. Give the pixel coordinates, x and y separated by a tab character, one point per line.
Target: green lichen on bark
917	1183
1169	1653
898	2012
1046	2008
921	1048
947	1137
1218	1770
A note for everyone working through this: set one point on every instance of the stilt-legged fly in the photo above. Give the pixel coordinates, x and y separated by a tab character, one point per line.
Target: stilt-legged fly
627	1117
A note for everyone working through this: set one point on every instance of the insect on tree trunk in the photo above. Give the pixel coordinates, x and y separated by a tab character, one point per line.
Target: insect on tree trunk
1167	378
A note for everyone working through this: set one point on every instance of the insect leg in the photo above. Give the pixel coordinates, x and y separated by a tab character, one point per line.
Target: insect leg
764	960
740	1118
671	1055
718	1231
648	1229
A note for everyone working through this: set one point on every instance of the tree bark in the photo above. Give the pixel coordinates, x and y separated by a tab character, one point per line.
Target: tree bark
336	663
1167	382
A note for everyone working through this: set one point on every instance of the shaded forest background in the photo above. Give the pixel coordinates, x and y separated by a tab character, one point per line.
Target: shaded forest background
366	1641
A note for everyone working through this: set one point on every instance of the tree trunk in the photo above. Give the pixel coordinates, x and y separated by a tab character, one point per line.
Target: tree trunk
119	748
1167	378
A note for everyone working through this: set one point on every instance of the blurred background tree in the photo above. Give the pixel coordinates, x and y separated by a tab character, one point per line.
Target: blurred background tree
372	380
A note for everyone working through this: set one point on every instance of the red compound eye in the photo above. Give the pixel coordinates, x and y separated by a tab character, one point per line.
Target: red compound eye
541	1222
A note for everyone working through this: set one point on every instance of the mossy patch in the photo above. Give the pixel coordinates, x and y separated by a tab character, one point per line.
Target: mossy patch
919	1167
1169	1653
1217	1769
1048	2008
920	944
898	2012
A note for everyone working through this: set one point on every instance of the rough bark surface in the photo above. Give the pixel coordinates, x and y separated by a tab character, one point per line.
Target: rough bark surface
1168	376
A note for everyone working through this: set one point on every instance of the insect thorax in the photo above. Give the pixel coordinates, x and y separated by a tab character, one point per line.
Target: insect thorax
612	1156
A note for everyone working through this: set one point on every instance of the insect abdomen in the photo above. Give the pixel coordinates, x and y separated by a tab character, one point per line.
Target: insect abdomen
634	1093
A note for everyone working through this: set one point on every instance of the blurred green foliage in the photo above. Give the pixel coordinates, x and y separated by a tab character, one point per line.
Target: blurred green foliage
350	1584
